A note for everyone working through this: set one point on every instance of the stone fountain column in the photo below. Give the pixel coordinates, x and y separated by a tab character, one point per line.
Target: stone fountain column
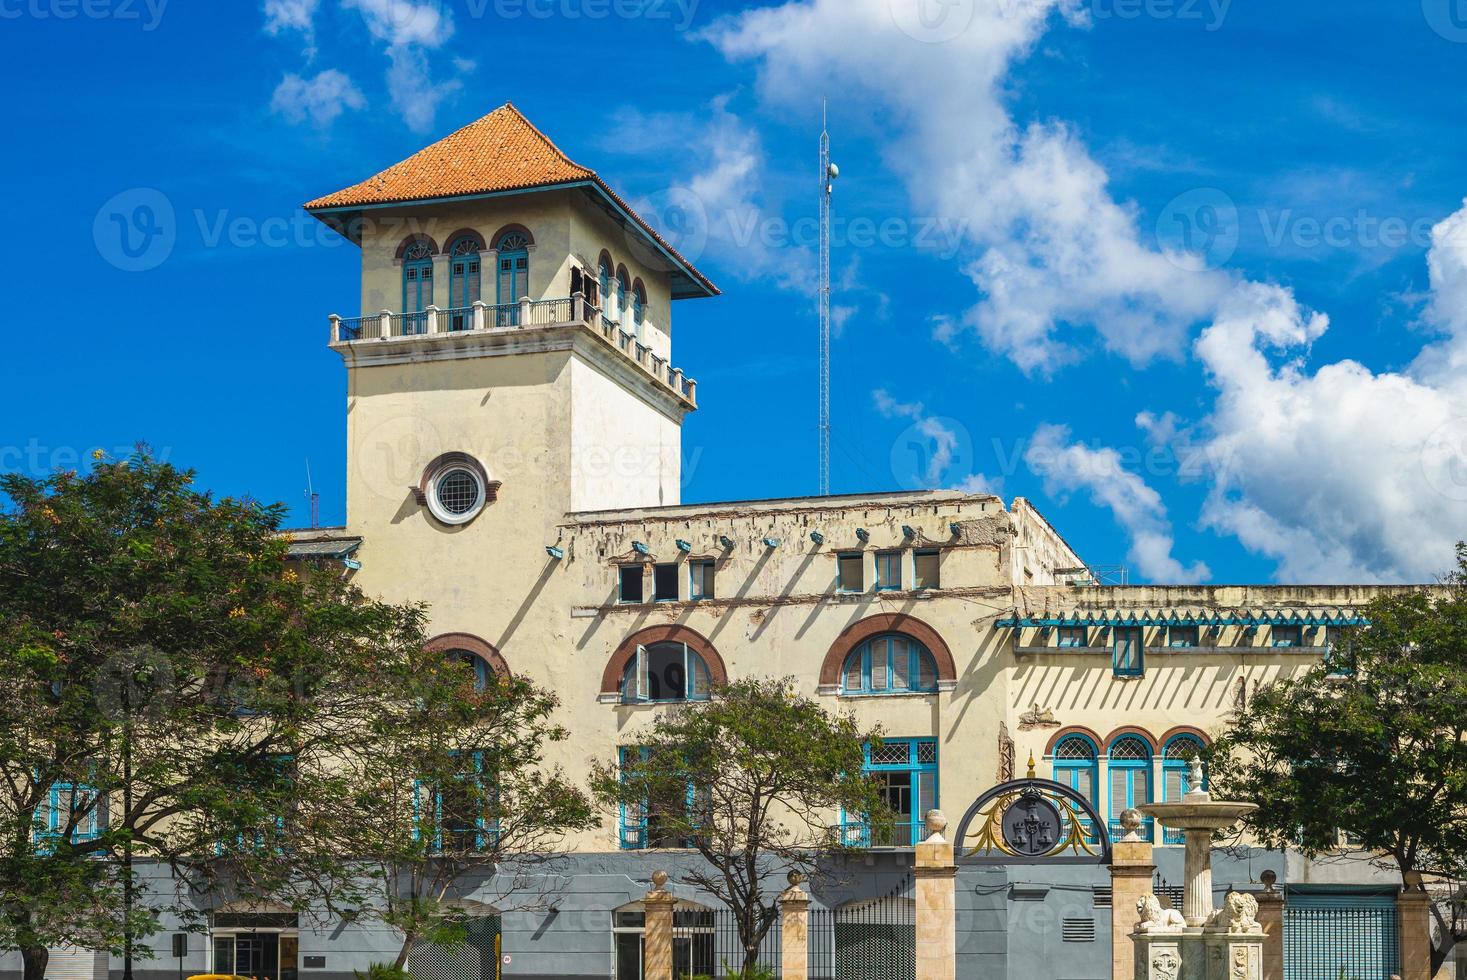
1202	943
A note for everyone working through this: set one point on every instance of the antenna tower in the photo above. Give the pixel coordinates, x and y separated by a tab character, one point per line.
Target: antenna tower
828	173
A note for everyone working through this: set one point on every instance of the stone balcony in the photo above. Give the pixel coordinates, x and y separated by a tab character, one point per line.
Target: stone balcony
527	316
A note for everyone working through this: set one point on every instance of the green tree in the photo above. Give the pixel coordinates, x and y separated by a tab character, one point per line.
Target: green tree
169	683
451	795
1371	742
751	778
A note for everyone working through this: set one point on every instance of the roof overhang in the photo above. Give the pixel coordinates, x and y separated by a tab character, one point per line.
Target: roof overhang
687	281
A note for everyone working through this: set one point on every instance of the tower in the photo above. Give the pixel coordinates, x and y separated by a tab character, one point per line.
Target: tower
828	173
512	360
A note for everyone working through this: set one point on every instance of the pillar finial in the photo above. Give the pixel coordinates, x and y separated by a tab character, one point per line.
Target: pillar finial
1032	773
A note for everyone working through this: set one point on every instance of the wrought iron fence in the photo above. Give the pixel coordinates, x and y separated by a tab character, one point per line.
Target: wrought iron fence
866	940
476	959
1340	937
728	947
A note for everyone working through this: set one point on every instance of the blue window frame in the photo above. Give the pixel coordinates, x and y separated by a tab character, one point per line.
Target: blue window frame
850	571
1073	636
473	662
417	286
1182	636
906	769
1076	765
700	580
639	310
888	571
456	815
1129	761
603	283
1176	777
1127	656
621	296
1287	636
891	663
665	672
645	825
514	272
464	280
72	810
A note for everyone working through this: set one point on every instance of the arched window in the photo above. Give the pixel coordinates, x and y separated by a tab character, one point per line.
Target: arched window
417	286
1176	777
1130	781
464	279
1076	765
665	672
473	663
639	308
603	283
514	270
891	663
622	285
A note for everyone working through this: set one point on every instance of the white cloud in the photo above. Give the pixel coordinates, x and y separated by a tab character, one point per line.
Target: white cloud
405	22
1068	466
944	457
320	99
282	16
1048	249
415	95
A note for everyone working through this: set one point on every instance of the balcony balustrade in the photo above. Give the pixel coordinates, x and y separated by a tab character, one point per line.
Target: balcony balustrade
524	315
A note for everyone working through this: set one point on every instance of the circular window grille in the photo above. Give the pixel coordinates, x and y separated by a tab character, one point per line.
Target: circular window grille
457	495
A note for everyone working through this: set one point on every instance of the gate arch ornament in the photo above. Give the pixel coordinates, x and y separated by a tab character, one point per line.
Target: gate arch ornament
1032	821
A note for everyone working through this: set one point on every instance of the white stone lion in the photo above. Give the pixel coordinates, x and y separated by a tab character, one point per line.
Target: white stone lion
1238	916
1155	919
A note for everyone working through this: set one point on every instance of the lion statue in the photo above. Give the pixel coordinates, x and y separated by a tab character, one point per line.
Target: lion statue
1238	916
1154	918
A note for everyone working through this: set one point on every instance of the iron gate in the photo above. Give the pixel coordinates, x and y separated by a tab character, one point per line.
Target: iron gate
1340	937
871	940
476	959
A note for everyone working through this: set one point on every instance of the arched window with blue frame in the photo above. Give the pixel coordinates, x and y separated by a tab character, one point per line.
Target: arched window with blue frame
514	271
1176	775
622	285
474	664
1076	764
639	310
417	286
1129	760
665	672
891	663
603	283
464	279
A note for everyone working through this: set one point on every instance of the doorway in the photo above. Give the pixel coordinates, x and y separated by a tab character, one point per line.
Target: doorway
265	946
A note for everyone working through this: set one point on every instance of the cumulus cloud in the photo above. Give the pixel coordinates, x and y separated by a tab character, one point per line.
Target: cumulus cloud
1068	466
320	99
285	16
944	452
1048	249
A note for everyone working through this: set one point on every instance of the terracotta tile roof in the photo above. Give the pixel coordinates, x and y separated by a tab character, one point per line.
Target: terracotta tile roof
502	151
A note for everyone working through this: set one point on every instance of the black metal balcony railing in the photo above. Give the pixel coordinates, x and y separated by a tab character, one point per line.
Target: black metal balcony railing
525	314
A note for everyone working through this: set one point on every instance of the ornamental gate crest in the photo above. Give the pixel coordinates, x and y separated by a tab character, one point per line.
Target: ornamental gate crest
1032	821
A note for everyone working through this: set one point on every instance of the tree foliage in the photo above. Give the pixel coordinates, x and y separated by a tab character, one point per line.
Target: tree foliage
752	779
1372	742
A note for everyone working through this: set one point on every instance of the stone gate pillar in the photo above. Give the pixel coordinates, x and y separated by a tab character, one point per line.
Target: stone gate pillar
794	931
1131	871
657	950
1271	917
936	880
1413	914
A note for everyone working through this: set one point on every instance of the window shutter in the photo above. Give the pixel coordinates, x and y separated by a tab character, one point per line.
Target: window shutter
853	671
643	681
1083	783
1120	784
901	663
1176	784
926	671
926	796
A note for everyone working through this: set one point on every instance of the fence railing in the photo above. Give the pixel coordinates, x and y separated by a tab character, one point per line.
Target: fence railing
525	314
728	947
872	940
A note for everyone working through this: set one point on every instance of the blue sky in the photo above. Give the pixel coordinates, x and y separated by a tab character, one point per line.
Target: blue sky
1192	276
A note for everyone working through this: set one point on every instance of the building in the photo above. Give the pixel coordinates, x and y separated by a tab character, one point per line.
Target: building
514	416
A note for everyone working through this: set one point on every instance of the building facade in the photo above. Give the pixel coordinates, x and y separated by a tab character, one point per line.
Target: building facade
514	416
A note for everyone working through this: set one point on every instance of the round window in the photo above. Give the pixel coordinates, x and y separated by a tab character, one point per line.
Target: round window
457	495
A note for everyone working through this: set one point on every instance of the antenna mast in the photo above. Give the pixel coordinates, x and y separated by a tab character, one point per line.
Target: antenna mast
828	173
314	498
